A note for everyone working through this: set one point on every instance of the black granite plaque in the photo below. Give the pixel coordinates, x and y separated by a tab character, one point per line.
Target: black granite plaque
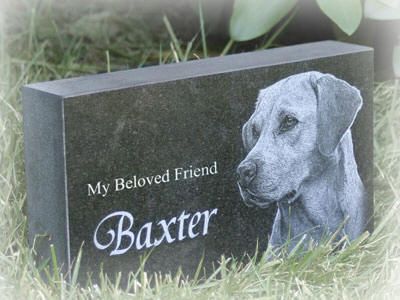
202	158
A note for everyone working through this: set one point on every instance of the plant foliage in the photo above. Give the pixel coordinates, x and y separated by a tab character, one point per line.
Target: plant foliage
253	18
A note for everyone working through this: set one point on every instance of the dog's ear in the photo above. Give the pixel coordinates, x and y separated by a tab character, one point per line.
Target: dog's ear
262	95
337	106
246	136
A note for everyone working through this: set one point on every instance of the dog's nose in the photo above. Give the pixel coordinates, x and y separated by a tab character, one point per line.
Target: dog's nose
246	172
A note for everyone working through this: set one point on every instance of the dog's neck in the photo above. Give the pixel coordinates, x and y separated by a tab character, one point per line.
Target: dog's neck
318	203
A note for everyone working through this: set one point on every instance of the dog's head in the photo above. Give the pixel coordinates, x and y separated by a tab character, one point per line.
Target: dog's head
297	125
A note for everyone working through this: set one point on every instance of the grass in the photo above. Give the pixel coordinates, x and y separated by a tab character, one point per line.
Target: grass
35	45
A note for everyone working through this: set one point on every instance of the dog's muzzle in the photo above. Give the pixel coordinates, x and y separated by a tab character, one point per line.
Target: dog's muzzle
250	199
246	172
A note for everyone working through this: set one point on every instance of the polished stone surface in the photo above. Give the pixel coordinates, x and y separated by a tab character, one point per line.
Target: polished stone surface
91	142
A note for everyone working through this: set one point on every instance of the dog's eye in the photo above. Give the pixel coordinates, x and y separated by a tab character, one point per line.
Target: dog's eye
255	132
287	123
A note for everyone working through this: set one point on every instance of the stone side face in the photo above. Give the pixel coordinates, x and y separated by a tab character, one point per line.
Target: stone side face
45	176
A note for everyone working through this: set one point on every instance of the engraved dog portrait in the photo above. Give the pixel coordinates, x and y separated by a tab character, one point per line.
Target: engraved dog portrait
300	156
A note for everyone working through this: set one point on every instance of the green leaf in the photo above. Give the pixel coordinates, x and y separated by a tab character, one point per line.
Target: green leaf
346	14
382	9
253	18
396	61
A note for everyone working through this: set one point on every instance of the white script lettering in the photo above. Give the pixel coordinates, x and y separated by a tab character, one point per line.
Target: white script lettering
120	236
